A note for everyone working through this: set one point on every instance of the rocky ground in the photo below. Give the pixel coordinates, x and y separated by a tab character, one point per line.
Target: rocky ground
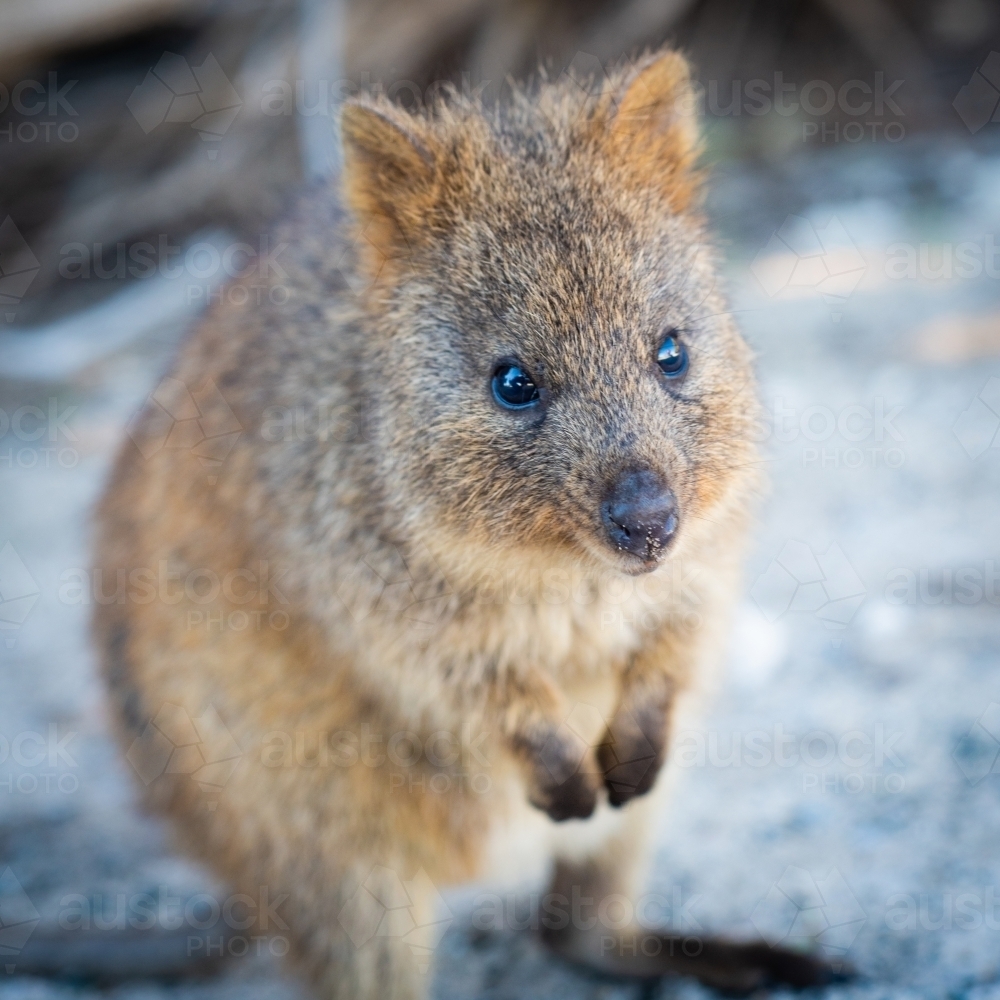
845	791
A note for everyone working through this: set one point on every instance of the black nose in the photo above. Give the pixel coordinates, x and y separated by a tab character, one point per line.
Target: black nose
640	514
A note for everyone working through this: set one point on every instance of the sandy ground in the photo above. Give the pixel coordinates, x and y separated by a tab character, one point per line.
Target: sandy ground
845	791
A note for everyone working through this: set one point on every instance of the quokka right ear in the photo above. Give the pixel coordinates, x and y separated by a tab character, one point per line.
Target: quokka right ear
388	172
653	130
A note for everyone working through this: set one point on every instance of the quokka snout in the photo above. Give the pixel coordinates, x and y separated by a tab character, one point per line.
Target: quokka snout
519	311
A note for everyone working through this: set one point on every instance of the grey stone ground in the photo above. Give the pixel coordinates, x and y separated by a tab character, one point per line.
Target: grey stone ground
875	833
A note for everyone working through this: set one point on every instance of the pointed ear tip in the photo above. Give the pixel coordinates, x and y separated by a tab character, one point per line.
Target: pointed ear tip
367	126
358	114
669	66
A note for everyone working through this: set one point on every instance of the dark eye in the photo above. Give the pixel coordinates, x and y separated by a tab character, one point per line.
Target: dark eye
513	386
672	357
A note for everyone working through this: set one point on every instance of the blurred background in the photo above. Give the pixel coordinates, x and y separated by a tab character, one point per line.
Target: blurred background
845	792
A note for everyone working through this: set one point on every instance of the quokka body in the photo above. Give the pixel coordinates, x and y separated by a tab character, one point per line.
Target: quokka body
527	535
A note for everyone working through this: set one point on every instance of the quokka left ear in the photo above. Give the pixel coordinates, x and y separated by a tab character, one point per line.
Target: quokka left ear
388	175
653	128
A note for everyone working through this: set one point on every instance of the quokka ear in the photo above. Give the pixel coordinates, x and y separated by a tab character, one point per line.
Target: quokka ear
653	130
388	174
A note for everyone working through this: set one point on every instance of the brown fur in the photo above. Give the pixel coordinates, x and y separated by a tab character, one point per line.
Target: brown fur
441	561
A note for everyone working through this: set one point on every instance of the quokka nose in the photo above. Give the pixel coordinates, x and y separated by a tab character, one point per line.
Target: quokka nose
640	514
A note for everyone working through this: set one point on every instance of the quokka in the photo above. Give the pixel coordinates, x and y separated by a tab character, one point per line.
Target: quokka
549	411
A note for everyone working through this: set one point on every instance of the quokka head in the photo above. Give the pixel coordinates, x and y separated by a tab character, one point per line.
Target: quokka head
549	364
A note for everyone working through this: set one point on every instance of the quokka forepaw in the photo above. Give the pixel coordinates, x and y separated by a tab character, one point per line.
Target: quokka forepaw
632	751
565	778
